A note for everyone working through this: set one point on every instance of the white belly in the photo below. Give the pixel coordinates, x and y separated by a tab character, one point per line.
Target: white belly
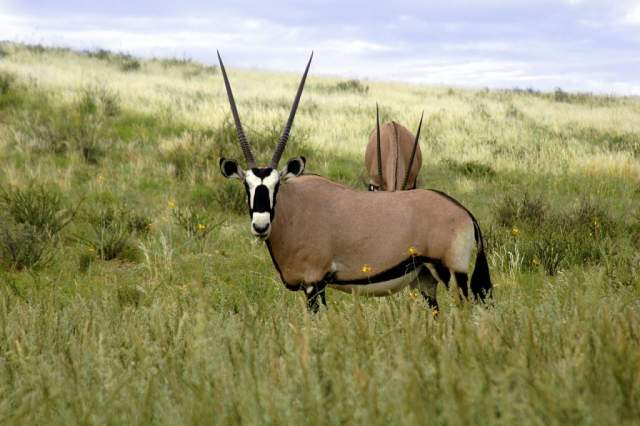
382	288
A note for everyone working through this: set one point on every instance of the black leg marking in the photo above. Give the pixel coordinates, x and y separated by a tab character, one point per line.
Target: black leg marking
428	285
443	273
432	302
317	291
461	279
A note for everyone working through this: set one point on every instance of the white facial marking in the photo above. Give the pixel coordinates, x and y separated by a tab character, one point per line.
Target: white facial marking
261	220
309	289
270	182
253	181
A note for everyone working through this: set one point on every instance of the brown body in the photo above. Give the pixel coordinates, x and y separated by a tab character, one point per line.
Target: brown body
322	228
396	146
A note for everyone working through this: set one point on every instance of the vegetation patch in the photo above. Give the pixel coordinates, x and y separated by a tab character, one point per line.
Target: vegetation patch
112	230
30	222
473	169
346	86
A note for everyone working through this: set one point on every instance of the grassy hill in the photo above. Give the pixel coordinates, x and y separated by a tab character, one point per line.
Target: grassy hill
132	292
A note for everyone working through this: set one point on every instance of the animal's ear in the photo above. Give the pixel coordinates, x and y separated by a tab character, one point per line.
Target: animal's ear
294	167
230	169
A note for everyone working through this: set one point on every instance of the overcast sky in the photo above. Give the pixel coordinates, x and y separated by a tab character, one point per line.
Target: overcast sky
583	45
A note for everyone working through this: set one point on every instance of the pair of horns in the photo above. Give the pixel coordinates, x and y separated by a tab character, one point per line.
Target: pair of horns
413	151
244	144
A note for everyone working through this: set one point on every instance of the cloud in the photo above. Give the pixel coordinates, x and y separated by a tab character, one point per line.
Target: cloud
576	45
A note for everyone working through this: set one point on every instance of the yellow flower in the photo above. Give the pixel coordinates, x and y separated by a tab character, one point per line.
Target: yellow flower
366	268
535	261
201	226
171	204
515	231
100	178
412	251
413	294
435	312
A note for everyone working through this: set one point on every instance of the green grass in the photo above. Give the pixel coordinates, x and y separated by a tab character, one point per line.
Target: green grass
153	304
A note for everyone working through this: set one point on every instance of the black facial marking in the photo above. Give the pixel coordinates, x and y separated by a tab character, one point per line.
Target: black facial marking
261	202
246	189
262	172
229	167
294	167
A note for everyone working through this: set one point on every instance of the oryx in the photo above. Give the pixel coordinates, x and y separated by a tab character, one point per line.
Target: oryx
321	233
392	158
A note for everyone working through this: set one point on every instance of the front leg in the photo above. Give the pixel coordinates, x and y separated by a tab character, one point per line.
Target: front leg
313	292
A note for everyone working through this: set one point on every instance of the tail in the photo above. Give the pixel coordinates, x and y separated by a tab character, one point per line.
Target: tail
481	285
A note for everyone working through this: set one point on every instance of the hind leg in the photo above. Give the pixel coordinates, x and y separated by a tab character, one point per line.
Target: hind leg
428	286
461	279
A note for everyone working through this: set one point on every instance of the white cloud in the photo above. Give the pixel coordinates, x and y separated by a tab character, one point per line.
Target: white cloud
632	16
445	53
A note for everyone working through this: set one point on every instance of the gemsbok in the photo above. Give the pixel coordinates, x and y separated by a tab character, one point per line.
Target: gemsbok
321	233
392	158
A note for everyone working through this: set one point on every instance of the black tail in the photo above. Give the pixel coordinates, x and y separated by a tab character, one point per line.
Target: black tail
481	285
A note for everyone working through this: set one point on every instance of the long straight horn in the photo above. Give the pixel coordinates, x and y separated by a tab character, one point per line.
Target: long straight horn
246	149
287	128
378	148
413	154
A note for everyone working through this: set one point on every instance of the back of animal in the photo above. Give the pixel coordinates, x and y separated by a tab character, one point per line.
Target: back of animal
396	148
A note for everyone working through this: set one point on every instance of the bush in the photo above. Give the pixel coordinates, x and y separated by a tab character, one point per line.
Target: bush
231	196
512	210
472	169
129	64
84	126
37	206
188	154
197	223
111	231
6	81
348	86
22	245
30	221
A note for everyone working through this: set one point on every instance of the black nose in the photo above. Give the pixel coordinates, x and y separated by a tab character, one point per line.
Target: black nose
260	229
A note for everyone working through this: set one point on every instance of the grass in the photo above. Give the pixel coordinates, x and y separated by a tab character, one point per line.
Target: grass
152	303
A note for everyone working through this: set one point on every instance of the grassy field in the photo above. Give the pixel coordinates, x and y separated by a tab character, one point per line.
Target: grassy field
132	292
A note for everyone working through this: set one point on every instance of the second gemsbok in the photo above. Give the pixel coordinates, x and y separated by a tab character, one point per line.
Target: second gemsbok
392	157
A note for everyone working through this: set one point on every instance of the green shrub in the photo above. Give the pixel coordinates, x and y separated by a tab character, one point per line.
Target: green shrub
84	126
346	86
513	210
111	232
22	245
30	221
189	154
197	223
128	64
38	206
231	196
6	81
471	169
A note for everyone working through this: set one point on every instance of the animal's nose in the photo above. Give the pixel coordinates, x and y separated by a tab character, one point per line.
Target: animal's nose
260	229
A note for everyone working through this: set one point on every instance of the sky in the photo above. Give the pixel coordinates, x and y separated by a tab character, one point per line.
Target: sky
577	45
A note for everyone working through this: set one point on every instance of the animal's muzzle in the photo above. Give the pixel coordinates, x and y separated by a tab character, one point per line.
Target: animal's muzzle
261	224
